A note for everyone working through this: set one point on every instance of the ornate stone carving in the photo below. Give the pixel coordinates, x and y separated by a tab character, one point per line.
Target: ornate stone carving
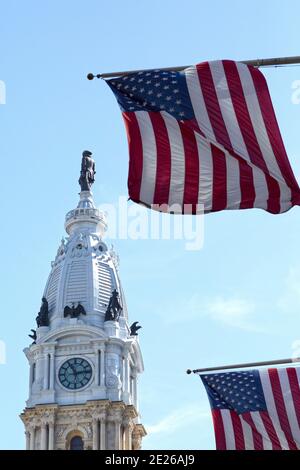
81	247
89	430
59	432
115	257
112	371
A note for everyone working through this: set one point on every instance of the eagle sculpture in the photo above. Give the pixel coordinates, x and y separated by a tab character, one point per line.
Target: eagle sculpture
73	311
134	329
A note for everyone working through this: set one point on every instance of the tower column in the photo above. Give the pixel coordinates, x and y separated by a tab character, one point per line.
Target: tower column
43	436
27	435
135	395
32	438
97	379
117	434
126	374
51	385
102	433
102	367
32	366
46	368
51	436
95	434
128	433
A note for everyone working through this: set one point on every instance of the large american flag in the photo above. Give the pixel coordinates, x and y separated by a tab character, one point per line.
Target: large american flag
204	138
255	409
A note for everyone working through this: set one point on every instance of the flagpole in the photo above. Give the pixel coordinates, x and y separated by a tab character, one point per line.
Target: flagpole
275	61
245	365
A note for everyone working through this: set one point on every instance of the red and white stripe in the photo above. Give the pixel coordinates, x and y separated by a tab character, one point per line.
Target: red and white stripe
278	428
231	157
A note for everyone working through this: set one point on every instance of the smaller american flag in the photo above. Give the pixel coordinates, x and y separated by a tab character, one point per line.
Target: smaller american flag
255	409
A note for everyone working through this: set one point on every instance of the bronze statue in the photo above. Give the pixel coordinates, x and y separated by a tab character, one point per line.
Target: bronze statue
87	174
73	311
114	308
43	316
134	329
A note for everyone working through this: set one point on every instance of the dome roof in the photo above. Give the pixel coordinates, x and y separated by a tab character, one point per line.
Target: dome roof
84	271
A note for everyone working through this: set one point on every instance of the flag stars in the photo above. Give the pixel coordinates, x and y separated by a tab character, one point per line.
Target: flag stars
159	86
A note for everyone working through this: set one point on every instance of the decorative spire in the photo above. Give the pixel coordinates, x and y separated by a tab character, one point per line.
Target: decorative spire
86	215
87	174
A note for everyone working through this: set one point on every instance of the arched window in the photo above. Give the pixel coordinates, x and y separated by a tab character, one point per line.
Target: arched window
76	443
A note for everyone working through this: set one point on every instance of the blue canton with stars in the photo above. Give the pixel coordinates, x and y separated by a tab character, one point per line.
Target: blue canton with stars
154	90
239	391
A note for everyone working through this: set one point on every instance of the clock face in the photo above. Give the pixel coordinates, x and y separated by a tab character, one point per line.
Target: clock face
75	373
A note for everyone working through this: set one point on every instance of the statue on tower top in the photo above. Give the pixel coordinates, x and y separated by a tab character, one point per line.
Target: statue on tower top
87	173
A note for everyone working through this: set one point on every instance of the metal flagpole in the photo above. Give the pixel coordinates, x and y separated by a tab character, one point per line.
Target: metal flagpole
275	61
242	366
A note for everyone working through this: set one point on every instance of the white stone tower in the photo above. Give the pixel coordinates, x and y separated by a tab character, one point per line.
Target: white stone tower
85	360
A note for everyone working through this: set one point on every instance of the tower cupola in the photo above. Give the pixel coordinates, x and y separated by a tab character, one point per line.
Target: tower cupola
85	358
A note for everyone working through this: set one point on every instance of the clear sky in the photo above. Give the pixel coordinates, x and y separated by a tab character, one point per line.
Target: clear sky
235	300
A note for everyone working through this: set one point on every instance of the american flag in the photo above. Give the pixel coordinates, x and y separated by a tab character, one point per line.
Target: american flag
255	409
204	138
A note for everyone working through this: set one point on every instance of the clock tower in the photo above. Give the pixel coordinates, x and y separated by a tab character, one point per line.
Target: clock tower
84	359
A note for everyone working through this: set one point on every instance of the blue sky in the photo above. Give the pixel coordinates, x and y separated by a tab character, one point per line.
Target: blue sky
237	299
